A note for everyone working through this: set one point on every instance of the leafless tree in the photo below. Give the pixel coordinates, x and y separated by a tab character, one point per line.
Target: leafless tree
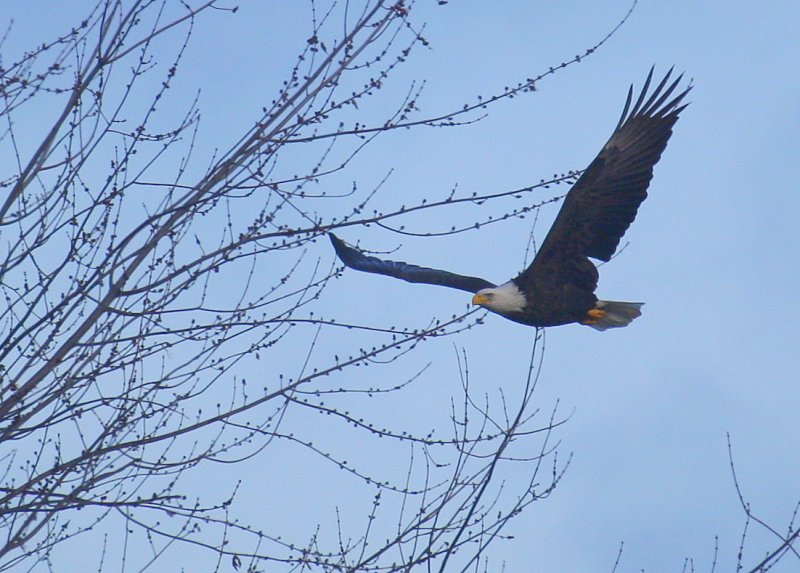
147	284
756	559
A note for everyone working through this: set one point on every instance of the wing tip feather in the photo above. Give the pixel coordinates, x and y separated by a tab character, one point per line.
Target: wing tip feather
653	104
348	255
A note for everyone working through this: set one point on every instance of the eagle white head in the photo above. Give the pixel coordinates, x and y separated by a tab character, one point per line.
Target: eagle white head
503	299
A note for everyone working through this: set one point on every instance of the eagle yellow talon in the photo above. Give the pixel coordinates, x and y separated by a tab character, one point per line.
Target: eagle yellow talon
595	315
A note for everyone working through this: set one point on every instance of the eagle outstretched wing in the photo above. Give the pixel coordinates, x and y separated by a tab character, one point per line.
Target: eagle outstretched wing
357	260
603	202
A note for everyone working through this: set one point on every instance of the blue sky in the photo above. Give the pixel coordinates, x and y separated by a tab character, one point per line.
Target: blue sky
713	253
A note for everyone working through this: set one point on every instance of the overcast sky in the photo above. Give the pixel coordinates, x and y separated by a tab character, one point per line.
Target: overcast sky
713	254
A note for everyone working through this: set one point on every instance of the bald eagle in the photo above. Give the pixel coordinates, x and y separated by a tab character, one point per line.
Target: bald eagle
558	286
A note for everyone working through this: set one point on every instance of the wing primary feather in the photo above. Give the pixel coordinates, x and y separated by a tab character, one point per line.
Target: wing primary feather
357	260
643	93
626	108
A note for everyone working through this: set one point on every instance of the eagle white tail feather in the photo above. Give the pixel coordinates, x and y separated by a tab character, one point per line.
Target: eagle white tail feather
618	314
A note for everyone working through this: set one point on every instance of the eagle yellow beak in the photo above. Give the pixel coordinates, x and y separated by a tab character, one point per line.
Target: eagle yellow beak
480	299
